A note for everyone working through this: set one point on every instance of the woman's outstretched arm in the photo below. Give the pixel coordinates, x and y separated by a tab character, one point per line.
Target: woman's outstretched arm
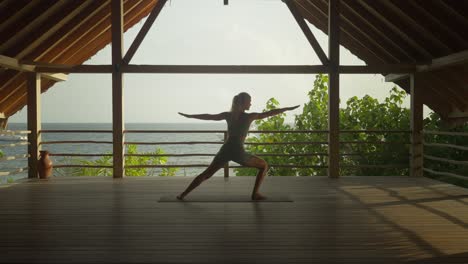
273	112
217	117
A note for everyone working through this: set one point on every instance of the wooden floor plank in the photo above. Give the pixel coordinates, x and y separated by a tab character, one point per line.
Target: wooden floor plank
346	220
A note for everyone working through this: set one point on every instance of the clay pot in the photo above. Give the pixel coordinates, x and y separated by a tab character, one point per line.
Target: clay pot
44	166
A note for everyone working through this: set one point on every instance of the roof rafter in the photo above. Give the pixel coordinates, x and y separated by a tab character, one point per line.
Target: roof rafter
355	16
410	21
438	23
12	20
441	95
345	39
394	28
352	27
47	31
307	32
60	40
37	22
324	14
131	7
134	11
461	19
144	30
459	102
12	63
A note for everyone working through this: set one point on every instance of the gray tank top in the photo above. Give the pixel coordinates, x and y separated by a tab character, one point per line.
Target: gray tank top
238	128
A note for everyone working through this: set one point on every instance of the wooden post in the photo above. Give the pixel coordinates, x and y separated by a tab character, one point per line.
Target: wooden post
34	122
117	89
226	167
3	121
416	162
333	90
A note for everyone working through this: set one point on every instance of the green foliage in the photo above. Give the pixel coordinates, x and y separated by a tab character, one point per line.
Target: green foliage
129	161
368	113
435	123
1	153
364	113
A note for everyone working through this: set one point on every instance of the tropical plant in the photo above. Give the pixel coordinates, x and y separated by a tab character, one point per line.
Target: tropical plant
364	113
435	123
129	161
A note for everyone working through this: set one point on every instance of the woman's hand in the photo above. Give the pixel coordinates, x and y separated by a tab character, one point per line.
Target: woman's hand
185	115
292	107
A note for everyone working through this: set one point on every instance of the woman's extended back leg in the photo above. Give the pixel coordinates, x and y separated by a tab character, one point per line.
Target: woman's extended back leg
206	174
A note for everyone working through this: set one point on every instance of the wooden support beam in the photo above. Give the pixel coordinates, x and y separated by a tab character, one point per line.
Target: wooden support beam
446	61
392	77
57	68
459	114
117	89
3	121
377	69
416	162
34	122
143	31
436	64
14	64
226	69
307	32
334	89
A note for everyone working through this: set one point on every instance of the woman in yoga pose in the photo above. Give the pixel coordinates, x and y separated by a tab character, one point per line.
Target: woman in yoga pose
233	149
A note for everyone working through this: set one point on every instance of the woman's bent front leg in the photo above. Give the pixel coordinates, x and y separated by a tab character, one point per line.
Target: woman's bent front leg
262	167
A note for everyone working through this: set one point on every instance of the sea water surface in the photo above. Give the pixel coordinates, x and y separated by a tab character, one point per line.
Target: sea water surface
130	137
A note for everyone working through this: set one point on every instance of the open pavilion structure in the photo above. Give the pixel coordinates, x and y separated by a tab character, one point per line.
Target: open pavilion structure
420	45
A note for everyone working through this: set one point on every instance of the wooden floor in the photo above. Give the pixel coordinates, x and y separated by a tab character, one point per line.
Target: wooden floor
349	220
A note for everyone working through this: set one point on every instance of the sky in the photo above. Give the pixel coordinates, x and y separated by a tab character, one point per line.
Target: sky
245	32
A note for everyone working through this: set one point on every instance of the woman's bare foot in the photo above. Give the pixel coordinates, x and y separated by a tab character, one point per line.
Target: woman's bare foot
258	197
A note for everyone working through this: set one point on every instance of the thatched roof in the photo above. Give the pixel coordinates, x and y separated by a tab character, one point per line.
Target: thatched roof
408	31
54	31
377	31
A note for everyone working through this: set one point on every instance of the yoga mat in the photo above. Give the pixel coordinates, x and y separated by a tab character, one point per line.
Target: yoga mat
223	198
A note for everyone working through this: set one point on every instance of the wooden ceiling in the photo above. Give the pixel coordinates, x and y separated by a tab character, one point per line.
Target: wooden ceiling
377	31
54	31
408	31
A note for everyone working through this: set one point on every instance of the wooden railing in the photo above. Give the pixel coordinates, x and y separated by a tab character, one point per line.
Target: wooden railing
226	169
446	136
52	154
10	139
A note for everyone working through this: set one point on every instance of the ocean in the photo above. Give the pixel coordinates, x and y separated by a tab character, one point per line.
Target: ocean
131	137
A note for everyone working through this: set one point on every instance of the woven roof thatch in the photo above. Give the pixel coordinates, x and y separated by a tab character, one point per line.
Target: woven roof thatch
54	31
407	31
